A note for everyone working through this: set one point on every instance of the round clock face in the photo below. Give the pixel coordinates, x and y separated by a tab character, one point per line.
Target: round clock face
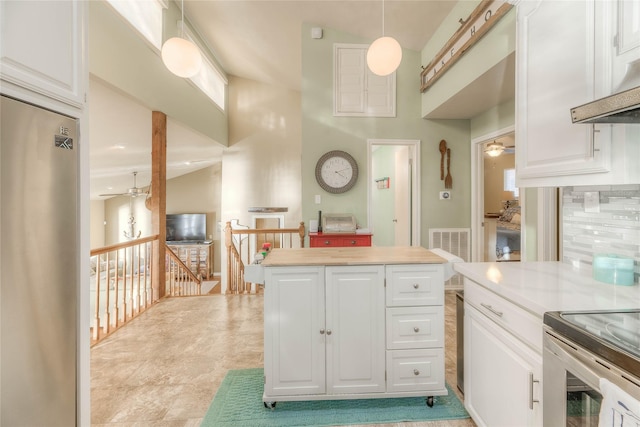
336	171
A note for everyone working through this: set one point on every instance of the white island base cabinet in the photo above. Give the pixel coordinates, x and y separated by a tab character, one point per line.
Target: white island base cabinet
332	333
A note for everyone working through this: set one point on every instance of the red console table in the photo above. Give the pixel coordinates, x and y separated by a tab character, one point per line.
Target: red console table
322	240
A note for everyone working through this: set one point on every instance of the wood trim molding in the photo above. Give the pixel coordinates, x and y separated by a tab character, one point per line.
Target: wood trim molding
485	16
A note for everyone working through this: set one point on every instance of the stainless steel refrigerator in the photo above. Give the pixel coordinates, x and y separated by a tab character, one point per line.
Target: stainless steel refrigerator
38	266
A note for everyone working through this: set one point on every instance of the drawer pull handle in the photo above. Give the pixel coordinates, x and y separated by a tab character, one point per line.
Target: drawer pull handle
416	286
416	372
531	399
353	242
321	331
491	309
328	331
416	329
326	242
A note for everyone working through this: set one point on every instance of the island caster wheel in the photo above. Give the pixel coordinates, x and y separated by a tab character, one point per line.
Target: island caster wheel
272	405
430	401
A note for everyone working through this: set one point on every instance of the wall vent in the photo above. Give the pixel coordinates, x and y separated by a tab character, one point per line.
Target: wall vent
456	242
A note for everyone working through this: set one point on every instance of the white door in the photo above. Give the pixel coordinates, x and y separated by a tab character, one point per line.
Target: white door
499	387
294	336
355	329
402	199
394	192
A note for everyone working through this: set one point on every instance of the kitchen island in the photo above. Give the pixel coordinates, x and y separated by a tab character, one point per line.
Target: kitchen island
353	323
503	331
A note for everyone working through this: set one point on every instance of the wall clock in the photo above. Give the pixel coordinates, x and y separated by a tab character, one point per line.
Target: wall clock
336	171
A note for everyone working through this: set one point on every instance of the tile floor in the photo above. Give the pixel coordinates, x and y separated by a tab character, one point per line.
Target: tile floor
164	368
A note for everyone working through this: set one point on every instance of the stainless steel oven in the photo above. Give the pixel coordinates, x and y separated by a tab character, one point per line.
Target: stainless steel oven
580	349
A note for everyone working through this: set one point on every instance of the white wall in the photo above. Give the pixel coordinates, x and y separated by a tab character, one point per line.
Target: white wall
96	224
262	166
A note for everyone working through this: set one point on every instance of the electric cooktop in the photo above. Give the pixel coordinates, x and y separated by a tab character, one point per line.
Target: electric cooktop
613	335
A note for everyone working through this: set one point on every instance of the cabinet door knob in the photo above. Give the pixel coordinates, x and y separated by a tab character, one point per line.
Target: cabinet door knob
328	331
321	331
416	329
416	286
416	372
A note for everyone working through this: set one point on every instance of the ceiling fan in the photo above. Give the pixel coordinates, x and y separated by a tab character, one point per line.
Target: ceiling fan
131	192
496	148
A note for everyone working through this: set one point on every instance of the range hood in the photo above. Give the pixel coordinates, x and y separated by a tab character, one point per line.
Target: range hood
621	107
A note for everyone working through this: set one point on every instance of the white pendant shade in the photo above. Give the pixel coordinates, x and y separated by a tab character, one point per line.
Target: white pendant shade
384	56
181	57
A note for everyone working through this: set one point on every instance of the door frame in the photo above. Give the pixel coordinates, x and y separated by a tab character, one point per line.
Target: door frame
477	194
414	154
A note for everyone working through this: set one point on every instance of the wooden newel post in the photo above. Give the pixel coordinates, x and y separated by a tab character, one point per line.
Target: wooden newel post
301	233
228	243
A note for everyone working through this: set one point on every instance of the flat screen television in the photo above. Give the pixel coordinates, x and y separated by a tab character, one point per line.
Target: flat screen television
186	228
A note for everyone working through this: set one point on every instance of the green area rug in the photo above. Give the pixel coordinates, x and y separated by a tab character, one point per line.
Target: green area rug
238	403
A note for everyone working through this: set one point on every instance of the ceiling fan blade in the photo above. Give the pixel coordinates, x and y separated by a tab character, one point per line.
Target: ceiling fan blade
113	194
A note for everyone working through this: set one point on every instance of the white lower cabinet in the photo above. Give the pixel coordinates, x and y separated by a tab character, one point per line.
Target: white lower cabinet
332	333
503	374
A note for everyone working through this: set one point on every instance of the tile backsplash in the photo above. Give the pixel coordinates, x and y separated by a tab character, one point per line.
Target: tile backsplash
601	220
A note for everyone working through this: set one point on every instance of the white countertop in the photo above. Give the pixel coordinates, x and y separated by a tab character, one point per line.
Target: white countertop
549	286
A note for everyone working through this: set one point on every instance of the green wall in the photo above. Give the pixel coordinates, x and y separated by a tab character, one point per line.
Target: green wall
322	132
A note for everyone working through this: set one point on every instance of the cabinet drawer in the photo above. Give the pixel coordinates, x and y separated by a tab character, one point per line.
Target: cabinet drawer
415	285
415	370
513	318
334	241
415	327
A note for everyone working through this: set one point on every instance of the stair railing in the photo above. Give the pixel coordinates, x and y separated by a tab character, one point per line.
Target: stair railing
121	285
239	248
181	281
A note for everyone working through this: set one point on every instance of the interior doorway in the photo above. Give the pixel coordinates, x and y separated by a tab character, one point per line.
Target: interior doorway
497	204
393	195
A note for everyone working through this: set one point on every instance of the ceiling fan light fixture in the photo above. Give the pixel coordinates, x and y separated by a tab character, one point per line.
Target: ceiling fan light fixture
384	56
494	149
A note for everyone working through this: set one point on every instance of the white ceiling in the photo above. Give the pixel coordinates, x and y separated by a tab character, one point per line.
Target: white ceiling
261	40
120	129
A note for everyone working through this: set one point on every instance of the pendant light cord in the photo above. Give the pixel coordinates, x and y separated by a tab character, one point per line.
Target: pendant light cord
382	18
182	21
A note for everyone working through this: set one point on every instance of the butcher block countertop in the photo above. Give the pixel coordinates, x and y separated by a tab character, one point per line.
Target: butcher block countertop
352	256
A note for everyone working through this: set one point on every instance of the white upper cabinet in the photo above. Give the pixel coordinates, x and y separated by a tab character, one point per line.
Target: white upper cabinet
41	48
569	53
626	47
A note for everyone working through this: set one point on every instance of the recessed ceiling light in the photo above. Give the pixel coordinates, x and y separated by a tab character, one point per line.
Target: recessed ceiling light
118	147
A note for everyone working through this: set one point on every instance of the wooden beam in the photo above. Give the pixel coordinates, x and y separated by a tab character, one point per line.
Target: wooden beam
159	200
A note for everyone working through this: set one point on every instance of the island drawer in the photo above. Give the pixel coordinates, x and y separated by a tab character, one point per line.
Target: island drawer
505	313
415	327
414	285
415	370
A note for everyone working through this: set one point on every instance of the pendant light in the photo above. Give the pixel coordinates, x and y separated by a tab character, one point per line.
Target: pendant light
180	55
384	54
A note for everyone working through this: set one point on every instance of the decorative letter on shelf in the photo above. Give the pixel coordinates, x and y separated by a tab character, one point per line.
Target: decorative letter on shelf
479	22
